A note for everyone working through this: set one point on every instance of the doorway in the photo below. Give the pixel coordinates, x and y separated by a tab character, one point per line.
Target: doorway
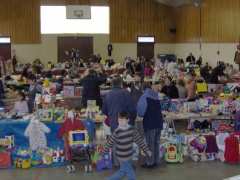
145	47
146	50
5	48
70	47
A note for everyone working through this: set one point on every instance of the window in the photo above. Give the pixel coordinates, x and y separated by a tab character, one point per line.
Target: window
54	21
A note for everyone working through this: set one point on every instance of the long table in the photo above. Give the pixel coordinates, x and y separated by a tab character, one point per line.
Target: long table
171	117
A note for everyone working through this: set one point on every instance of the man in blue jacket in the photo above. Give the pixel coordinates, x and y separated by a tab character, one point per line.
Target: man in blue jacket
149	108
116	101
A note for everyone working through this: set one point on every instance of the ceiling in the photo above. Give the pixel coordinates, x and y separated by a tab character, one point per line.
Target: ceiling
177	3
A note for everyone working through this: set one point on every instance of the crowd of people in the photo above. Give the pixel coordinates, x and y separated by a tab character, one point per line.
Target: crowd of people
135	93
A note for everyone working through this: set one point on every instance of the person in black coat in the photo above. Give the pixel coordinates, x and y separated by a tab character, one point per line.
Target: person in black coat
191	59
91	87
170	89
217	72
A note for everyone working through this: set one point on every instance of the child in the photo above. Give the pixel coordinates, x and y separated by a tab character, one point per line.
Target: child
34	88
123	138
21	106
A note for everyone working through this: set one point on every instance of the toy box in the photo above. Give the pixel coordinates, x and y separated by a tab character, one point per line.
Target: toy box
78	91
45	114
68	91
5	159
202	87
7	142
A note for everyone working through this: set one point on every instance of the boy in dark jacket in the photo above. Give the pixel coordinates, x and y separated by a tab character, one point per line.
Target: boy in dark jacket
149	108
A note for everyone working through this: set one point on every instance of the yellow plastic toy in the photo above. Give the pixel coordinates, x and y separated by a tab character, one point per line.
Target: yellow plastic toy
79	137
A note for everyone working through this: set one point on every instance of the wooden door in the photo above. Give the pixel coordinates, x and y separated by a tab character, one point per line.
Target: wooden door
5	51
146	50
83	44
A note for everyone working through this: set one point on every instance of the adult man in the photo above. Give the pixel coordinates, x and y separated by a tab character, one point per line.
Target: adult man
91	89
237	56
116	101
191	59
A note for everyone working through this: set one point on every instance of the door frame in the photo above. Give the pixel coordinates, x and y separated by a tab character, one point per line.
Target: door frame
147	42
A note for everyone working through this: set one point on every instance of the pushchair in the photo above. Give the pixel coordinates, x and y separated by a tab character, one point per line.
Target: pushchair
79	149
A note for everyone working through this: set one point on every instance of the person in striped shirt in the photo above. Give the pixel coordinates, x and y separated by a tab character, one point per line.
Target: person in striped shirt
123	138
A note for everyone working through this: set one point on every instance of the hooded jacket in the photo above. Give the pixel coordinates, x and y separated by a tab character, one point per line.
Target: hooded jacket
149	108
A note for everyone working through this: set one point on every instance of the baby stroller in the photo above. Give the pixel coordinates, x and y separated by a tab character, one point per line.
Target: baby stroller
79	150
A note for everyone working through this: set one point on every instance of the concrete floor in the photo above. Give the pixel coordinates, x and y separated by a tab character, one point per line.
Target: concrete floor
187	171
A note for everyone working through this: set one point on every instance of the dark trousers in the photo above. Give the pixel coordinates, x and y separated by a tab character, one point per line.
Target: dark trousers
153	141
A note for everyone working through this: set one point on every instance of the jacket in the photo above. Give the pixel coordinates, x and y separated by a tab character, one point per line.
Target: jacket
149	108
171	91
91	89
116	101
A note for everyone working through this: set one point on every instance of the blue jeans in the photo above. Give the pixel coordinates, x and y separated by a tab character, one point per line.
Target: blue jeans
153	141
126	169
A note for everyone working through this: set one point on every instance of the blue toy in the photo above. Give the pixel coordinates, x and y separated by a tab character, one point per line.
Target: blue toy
104	163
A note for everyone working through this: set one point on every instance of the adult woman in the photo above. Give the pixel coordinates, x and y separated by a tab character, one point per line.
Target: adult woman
149	108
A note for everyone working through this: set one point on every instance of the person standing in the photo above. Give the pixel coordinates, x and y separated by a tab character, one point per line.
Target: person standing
123	138
191	59
34	89
237	56
182	91
149	108
116	101
91	87
170	89
191	88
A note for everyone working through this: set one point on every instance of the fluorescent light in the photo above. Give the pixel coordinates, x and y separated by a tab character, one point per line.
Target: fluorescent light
5	40
145	39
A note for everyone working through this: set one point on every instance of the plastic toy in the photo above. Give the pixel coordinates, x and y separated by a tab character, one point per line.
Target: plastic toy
81	150
58	115
58	156
22	159
36	159
105	162
5	160
79	137
7	142
173	153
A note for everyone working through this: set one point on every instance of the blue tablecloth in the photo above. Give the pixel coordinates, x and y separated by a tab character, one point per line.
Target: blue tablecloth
17	128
